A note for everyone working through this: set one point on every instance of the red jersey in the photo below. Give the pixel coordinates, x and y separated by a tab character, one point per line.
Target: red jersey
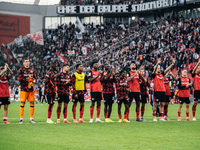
4	89
183	90
144	86
49	88
108	82
121	87
95	85
196	80
24	73
134	83
167	88
158	80
61	80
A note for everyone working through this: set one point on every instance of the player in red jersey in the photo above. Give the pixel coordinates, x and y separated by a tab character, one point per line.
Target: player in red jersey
184	85
159	88
122	88
144	84
95	90
63	81
133	81
26	79
50	91
196	80
78	83
4	91
167	78
108	79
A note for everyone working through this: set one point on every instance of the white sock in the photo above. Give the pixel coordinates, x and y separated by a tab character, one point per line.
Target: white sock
21	118
4	117
48	119
80	119
31	119
65	119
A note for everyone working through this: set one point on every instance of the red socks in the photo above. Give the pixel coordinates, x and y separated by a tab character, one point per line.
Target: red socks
161	115
65	113
58	112
165	110
106	115
187	115
179	114
91	112
154	115
137	112
142	111
74	111
50	108
120	116
98	111
194	111
81	111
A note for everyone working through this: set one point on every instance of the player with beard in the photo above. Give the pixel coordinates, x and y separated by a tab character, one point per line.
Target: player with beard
26	79
196	80
144	84
184	85
159	88
122	88
50	90
95	90
167	78
133	81
78	83
108	79
4	91
63	81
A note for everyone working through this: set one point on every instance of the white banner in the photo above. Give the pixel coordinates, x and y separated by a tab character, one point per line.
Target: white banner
37	37
80	25
122	8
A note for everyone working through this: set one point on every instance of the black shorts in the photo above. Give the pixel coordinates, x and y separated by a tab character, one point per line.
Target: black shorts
4	100
167	98
135	95
196	95
159	97
172	94
184	100
63	98
79	99
125	101
96	96
51	99
108	98
144	98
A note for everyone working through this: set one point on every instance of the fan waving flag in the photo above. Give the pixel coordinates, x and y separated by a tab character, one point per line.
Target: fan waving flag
37	37
61	57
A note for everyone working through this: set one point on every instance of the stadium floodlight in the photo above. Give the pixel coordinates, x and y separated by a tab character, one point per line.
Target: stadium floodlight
133	17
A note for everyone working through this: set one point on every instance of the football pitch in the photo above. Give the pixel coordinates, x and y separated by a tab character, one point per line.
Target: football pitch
134	135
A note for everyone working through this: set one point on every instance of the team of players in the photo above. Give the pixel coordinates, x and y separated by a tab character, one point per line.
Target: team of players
128	87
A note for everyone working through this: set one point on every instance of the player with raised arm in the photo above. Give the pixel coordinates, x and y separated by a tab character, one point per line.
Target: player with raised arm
196	81
107	80
78	83
122	88
63	81
95	90
133	81
144	84
4	90
184	85
50	91
159	88
26	79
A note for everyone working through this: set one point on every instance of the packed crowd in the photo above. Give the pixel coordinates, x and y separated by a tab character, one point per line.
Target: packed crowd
104	2
143	42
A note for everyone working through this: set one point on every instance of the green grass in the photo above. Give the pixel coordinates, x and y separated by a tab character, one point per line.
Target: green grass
134	135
